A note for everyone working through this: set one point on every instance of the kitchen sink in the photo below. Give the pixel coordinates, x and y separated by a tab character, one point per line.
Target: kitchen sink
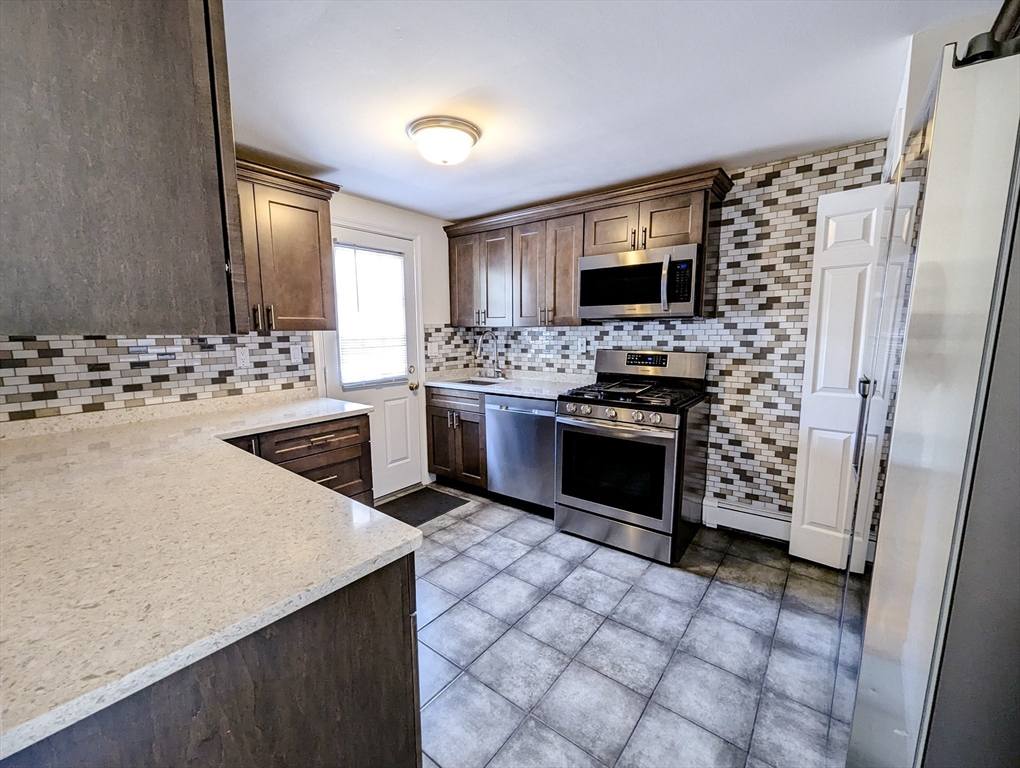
484	382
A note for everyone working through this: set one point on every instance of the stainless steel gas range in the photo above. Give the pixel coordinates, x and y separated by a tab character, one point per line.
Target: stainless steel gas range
631	452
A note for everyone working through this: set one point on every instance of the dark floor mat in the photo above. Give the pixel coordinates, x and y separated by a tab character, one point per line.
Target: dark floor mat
421	506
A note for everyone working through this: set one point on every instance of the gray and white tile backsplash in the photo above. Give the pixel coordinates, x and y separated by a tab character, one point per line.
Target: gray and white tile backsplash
756	340
58	375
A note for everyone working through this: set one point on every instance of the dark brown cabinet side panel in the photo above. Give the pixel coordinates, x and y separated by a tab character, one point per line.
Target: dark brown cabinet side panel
529	270
296	260
564	245
253	273
112	195
611	230
469	434
497	278
465	278
332	684
674	220
442	456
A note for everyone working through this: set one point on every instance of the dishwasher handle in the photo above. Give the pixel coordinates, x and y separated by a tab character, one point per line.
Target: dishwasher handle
524	411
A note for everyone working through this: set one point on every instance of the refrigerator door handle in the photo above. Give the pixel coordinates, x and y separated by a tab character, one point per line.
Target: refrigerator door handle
864	390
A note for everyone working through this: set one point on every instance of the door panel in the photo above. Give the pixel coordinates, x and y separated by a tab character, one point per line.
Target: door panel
529	269
470	448
848	243
497	271
250	242
398	445
611	230
465	281
564	245
441	449
674	220
295	257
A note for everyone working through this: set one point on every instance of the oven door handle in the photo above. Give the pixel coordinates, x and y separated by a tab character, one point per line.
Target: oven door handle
665	282
668	434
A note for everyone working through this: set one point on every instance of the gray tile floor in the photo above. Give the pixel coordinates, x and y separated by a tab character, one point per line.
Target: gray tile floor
540	649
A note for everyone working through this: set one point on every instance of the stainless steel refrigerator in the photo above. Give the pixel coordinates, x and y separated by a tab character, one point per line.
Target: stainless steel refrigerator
939	680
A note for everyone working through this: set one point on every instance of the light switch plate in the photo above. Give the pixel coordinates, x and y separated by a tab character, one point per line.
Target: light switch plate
295	355
243	357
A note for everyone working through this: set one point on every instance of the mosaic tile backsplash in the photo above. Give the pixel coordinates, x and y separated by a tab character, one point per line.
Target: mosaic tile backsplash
756	341
56	375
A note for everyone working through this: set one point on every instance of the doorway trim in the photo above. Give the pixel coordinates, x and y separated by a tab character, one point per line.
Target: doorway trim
414	238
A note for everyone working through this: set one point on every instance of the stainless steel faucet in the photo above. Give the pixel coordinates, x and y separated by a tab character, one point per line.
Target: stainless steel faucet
497	372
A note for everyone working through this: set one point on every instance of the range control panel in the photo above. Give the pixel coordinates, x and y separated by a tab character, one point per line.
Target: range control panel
643	359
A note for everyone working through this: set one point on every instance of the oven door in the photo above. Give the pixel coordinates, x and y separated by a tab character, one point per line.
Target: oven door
657	282
619	471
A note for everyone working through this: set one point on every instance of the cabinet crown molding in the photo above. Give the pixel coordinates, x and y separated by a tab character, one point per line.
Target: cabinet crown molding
716	181
291	182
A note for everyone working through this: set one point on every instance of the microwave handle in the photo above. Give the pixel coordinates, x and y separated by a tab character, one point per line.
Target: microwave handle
665	282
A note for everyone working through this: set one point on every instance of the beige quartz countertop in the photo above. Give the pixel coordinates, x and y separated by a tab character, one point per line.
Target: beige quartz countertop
542	389
129	552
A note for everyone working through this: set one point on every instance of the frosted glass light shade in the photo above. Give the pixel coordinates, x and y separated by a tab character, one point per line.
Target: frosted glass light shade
443	140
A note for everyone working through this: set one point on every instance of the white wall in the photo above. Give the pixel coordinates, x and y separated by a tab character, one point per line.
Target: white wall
925	52
435	265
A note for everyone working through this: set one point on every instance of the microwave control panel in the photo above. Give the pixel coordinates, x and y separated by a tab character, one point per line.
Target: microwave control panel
681	279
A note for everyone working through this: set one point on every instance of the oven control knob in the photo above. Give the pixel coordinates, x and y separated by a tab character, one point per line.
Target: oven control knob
610	413
586	410
655	418
571	407
637	415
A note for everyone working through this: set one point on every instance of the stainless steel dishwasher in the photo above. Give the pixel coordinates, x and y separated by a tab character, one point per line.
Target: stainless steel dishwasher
520	440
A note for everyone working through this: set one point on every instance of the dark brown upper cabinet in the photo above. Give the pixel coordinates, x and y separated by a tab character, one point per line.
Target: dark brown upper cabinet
288	249
529	268
611	230
547	240
465	281
118	202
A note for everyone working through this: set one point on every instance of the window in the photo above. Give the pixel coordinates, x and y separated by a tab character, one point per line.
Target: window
371	320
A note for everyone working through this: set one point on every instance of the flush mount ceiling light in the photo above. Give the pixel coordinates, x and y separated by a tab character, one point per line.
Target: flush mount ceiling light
444	140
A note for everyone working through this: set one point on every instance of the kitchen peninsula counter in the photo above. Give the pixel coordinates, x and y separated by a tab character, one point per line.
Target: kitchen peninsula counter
129	552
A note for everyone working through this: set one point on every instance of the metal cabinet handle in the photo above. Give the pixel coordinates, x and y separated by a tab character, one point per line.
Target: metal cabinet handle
644	237
327	479
478	317
484	317
257	311
456	420
664	287
449	419
320	438
864	390
272	318
254	446
633	239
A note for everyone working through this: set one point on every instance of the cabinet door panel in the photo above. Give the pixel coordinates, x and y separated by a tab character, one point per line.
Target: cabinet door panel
465	281
564	245
529	269
112	206
250	241
497	271
674	220
611	230
442	454
344	470
296	260
470	446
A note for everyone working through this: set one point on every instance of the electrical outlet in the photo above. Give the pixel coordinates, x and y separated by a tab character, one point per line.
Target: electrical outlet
243	357
433	349
295	355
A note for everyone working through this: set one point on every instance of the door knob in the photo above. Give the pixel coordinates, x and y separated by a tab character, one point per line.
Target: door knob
412	385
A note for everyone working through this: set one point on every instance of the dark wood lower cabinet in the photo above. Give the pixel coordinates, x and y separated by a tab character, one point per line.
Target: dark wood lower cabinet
345	470
456	444
333	684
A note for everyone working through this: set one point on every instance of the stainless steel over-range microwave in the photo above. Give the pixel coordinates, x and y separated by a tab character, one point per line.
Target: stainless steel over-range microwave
657	282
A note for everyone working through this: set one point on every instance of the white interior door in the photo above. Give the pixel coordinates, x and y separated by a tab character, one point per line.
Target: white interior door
841	328
373	356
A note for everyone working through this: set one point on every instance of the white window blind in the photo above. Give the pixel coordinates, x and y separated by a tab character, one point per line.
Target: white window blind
371	320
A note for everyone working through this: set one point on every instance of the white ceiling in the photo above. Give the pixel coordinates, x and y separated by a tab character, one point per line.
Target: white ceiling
570	96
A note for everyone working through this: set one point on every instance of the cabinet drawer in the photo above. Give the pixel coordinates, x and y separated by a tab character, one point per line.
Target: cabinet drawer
344	470
457	399
289	444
